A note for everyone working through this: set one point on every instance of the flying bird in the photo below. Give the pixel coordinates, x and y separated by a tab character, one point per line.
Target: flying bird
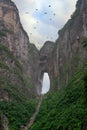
49	5
45	12
34	27
27	12
54	14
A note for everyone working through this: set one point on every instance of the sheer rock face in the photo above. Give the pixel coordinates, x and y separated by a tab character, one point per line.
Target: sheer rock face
4	122
59	59
44	61
16	39
68	54
13	36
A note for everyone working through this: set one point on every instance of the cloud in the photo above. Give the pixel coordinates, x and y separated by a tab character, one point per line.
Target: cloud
40	26
30	23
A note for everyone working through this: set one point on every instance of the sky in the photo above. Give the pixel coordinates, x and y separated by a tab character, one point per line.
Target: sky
42	19
46	83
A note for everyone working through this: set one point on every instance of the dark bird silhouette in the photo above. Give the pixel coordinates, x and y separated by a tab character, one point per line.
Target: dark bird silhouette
36	9
34	27
49	5
27	12
45	12
54	14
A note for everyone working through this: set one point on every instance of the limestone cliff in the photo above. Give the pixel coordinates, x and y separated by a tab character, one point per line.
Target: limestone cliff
15	42
22	66
68	54
44	62
4	120
18	69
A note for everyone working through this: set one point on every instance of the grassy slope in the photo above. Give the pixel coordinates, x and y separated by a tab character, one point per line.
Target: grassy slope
65	109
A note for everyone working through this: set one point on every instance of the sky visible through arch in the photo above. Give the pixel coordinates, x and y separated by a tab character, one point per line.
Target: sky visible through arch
43	18
45	83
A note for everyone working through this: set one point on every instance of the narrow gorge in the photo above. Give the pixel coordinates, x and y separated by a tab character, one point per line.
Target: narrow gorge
22	67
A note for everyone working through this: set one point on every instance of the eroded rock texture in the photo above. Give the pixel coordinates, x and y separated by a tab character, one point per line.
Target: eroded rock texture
59	59
18	58
4	122
68	54
44	62
62	58
22	66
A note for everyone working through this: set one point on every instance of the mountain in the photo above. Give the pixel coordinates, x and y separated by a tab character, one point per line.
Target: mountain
14	41
21	73
18	69
65	106
68	54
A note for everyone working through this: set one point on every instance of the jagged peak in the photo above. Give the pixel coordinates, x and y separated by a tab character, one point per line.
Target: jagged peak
47	42
81	2
8	2
81	5
13	6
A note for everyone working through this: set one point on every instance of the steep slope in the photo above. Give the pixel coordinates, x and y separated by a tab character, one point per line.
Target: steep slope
18	70
68	54
44	64
32	119
14	38
22	68
65	109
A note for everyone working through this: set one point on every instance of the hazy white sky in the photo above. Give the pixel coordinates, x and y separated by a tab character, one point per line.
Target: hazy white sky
46	83
43	18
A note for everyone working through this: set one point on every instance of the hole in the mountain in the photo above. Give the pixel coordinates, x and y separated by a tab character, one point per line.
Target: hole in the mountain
45	83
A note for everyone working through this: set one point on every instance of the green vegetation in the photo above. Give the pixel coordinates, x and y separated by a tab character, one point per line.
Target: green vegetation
55	81
4	32
3	65
12	69
15	103
61	110
18	114
84	43
8	54
65	109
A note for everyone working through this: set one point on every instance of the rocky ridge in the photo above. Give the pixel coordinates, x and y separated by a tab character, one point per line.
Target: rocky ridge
22	66
68	53
15	39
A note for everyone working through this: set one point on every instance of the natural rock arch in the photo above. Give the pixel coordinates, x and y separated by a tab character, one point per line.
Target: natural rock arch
44	57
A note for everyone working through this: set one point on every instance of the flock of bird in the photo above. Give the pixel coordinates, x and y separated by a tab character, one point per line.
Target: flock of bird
44	13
